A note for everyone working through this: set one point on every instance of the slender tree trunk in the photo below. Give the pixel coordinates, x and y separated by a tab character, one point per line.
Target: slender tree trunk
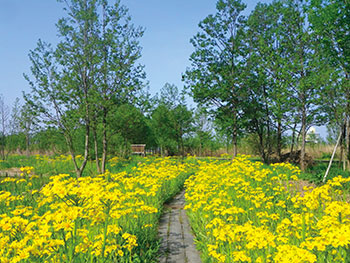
234	134
262	150
303	141
182	145
279	139
96	150
27	144
3	143
347	123
86	149
298	139
268	136
104	141
227	144
293	138
70	145
341	155
347	142
105	110
269	143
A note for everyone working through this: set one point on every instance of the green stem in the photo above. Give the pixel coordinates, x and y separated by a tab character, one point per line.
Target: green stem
105	233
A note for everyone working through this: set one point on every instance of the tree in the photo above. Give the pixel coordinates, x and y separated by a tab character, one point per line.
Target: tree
171	120
28	123
305	66
130	123
203	129
64	77
120	77
92	67
214	78
269	89
4	125
330	21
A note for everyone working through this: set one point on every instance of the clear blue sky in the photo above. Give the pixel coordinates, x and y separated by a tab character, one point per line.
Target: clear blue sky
169	25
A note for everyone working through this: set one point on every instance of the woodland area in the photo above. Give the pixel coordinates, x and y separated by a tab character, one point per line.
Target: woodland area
262	80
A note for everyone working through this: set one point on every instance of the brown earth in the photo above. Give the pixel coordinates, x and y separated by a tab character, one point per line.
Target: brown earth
294	158
14	171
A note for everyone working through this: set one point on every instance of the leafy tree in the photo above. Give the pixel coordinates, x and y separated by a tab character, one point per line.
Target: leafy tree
130	123
304	65
215	79
64	77
330	21
203	130
161	126
269	90
49	140
120	77
91	70
171	120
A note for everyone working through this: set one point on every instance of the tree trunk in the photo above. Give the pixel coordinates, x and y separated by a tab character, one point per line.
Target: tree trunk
269	142
347	141
341	155
347	124
104	141
234	134
27	144
262	148
182	145
279	139
303	140
70	145
293	138
268	136
96	150
3	143
86	150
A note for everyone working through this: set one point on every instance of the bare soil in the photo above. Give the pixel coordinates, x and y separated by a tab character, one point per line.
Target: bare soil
14	171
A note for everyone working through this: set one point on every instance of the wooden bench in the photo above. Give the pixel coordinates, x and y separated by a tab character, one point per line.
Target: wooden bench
139	149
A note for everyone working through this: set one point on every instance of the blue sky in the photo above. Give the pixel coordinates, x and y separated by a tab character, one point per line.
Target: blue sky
169	25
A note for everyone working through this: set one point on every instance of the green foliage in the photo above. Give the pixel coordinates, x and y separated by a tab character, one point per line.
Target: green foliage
171	121
91	72
215	77
315	173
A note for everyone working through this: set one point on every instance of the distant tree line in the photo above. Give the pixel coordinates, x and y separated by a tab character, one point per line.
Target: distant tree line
285	67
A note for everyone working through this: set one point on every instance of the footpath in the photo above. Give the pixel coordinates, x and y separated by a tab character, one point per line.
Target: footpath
175	232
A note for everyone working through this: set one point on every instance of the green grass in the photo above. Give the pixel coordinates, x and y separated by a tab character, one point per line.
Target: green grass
316	173
53	165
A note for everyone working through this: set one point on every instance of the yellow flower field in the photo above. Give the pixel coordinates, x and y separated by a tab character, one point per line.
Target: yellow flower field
104	218
243	211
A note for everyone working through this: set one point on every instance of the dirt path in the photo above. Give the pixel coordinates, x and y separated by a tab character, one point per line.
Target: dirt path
175	232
